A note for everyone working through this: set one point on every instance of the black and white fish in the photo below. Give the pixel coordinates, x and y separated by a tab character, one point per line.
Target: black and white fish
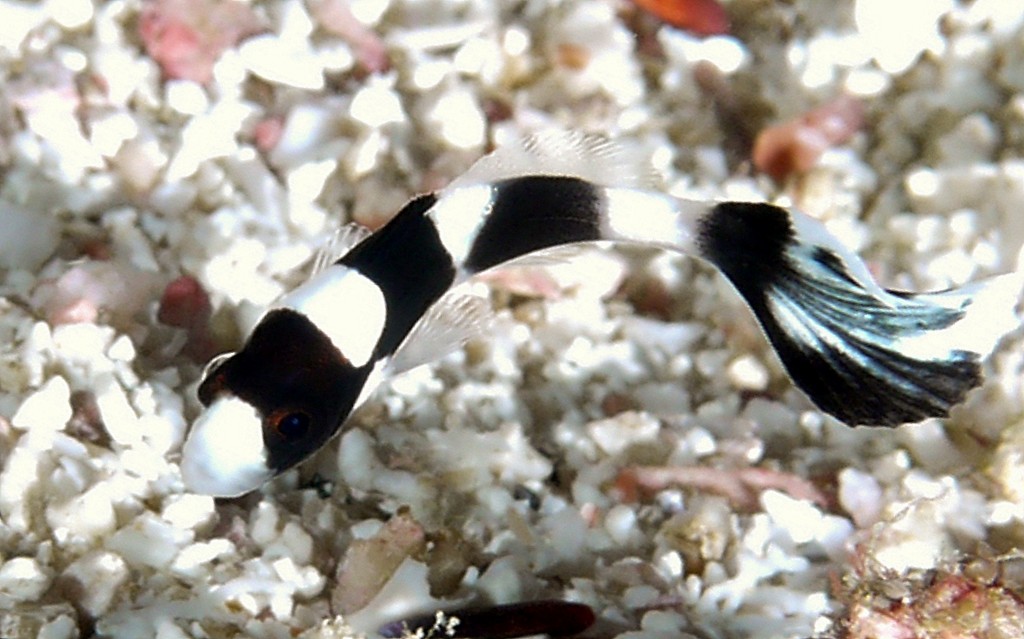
861	353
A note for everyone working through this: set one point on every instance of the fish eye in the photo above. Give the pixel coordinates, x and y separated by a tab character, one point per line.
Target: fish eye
291	425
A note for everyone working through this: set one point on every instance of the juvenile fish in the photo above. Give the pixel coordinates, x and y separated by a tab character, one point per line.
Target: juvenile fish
861	353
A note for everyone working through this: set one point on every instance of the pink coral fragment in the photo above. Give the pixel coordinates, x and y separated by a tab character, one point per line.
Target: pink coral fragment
741	486
794	147
186	37
267	133
334	16
114	288
369	563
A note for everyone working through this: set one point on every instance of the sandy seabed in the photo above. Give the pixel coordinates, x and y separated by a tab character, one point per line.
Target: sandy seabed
621	437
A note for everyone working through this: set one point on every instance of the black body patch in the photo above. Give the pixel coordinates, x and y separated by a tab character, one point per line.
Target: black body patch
533	213
407	260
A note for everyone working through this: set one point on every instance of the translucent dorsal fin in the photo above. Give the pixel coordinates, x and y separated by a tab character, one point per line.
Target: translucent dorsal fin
453	320
571	153
339	243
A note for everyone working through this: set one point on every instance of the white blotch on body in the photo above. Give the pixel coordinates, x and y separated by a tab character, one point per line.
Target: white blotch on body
224	455
458	214
347	306
646	216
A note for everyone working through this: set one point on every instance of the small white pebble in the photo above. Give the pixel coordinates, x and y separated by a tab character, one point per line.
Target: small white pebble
263	525
110	132
621	524
188	510
194	559
457	119
85	517
119	418
896	39
121	349
268	57
748	373
923	183
664	621
70	14
430	73
797	517
99	575
186	97
62	627
516	41
641	596
860	495
23	579
148	541
29	236
617	433
47	409
377	104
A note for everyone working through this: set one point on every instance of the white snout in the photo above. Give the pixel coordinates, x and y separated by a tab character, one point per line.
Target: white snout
224	454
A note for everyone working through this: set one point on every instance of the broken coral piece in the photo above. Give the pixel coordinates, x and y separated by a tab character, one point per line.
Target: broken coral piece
186	37
794	147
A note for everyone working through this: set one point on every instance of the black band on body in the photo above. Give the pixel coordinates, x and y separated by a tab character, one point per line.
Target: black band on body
533	213
407	260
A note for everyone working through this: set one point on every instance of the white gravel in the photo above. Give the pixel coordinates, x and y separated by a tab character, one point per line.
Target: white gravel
508	457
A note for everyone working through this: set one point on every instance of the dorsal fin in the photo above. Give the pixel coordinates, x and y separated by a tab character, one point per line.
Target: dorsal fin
338	244
568	153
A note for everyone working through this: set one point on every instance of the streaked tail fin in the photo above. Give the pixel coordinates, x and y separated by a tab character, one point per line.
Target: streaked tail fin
861	353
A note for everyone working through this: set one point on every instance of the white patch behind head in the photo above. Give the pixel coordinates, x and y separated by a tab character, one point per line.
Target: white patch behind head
565	153
224	455
346	305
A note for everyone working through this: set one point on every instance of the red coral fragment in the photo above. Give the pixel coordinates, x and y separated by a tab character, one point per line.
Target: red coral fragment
185	304
186	37
701	17
794	147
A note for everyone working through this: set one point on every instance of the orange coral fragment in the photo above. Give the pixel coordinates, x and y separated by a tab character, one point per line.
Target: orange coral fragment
702	17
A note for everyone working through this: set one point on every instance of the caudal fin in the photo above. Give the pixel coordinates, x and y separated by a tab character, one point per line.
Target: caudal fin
863	354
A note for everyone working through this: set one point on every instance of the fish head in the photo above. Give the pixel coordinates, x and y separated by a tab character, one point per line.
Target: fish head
269	406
